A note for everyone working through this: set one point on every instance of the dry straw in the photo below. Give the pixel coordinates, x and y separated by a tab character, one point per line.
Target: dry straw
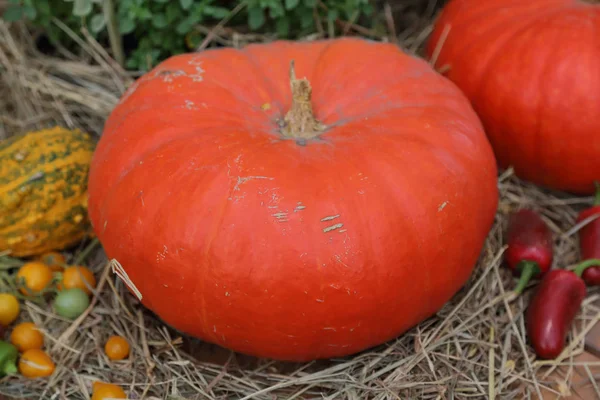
474	348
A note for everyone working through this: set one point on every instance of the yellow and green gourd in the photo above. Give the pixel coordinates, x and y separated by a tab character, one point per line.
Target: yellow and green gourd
43	190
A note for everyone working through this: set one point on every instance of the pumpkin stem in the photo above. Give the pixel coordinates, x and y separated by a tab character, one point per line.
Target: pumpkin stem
300	121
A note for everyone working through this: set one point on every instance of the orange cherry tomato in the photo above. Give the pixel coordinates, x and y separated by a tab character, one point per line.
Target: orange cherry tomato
116	348
37	276
35	363
26	336
102	391
9	309
54	260
76	277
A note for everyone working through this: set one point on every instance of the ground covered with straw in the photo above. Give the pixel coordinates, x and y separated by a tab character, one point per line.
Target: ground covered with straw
475	347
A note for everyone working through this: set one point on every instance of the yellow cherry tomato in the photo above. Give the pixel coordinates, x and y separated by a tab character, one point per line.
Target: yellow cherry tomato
36	275
9	309
54	260
26	336
76	277
35	363
116	348
102	391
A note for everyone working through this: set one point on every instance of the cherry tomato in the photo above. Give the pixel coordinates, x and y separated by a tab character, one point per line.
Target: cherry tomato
9	309
102	391
55	260
76	277
36	363
8	358
26	336
71	303
116	348
37	277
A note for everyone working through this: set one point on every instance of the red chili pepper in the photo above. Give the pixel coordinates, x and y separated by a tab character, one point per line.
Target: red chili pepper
553	307
589	240
530	252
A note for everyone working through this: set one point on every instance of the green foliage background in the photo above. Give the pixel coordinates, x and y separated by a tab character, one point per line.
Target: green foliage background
153	30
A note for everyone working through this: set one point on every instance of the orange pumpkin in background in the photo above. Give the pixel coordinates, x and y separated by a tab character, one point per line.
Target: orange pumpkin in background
244	219
532	72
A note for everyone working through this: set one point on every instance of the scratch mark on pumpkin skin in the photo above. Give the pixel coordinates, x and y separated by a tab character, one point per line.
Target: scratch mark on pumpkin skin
320	300
190	105
299	207
162	255
198	76
339	259
104	227
281	216
141	197
243	179
442	206
195	60
329	328
330	218
274	200
332	227
168	75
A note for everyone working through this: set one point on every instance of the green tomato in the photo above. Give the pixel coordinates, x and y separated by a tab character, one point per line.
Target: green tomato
8	358
71	303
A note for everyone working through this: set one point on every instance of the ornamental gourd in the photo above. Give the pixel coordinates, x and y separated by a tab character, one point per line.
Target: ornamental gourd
297	210
531	70
43	190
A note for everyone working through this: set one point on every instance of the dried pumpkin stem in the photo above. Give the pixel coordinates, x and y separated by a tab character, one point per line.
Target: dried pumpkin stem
300	121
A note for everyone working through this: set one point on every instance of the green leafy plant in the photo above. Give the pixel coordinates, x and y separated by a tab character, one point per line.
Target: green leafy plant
294	18
142	33
41	13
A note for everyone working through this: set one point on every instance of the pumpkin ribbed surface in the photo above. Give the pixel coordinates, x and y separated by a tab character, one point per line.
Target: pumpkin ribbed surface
299	210
43	190
531	70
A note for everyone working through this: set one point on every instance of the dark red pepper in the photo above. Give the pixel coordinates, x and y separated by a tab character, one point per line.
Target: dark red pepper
589	240
530	249
553	308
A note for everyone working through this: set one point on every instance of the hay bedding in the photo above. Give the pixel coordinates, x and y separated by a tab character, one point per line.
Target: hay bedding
475	347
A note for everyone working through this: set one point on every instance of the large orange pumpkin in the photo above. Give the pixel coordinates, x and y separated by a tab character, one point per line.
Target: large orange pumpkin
243	220
532	72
